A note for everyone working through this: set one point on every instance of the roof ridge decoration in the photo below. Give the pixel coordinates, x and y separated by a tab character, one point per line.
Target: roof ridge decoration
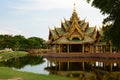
74	14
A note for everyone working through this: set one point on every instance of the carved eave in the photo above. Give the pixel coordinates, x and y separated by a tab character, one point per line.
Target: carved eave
89	31
50	35
94	30
67	22
62	26
57	31
99	35
82	22
94	34
53	34
87	26
65	27
100	32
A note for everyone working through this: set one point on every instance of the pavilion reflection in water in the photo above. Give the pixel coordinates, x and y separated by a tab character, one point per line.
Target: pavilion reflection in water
71	66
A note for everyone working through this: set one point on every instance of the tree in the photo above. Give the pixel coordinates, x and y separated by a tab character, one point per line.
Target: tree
112	8
35	42
115	29
20	42
6	41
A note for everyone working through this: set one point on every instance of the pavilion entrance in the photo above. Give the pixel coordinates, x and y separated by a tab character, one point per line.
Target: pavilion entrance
76	48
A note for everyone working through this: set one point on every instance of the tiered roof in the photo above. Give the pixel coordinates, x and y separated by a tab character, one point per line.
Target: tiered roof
74	31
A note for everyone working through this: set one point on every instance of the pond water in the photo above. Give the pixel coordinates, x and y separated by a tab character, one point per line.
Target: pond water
35	64
39	68
70	67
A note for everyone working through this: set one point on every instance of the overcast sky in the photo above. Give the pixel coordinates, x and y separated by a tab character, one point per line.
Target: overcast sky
34	17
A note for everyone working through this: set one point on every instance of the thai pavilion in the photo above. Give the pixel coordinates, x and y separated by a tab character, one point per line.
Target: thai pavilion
76	36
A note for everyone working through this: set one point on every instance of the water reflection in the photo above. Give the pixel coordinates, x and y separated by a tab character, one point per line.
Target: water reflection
22	61
28	63
84	69
39	68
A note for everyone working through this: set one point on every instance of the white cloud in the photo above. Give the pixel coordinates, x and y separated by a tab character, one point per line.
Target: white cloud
30	16
48	4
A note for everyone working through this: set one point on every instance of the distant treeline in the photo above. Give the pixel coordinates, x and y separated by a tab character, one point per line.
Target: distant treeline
19	42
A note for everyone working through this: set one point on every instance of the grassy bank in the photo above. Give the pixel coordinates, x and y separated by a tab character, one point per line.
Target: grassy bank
12	54
8	73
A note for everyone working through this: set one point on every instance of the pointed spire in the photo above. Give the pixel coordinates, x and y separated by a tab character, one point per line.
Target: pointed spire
74	10
74	14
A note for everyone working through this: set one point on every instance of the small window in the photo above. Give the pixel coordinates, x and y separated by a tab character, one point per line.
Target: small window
75	38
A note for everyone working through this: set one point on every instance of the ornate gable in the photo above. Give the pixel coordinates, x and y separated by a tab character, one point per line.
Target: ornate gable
75	31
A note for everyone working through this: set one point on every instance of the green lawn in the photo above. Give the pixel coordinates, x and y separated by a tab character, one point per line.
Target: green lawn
12	54
8	73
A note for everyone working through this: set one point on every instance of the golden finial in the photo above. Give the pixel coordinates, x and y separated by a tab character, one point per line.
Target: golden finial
74	14
74	7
